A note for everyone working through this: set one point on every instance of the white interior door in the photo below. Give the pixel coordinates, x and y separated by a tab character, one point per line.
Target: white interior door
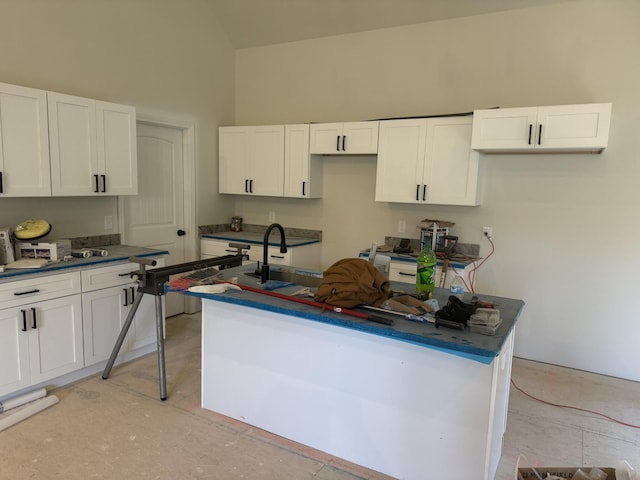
155	218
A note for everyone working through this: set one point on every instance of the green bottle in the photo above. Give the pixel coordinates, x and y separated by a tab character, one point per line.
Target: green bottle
426	271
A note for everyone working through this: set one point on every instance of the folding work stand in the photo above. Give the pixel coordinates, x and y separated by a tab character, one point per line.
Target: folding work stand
153	282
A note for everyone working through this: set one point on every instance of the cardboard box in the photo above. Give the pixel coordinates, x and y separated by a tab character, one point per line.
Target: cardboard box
562	472
51	251
6	248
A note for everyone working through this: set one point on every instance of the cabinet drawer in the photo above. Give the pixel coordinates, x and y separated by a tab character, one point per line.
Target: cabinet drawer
275	257
214	248
111	276
405	272
38	289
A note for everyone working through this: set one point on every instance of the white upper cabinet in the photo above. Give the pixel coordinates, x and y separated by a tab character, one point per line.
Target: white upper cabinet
344	138
117	148
569	128
93	147
24	142
251	160
302	171
427	160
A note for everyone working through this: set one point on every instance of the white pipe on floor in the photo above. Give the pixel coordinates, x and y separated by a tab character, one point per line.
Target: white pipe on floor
27	411
22	399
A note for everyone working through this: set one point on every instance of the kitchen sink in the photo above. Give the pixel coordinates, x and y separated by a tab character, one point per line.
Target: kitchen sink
299	277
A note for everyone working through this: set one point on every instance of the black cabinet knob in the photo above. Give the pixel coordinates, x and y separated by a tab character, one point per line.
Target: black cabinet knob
181	233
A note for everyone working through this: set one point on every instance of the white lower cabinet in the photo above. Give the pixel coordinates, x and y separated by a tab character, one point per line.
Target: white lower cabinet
107	298
40	338
56	325
303	256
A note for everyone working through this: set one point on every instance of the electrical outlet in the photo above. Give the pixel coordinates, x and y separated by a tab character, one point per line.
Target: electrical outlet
272	217
108	222
487	232
402	226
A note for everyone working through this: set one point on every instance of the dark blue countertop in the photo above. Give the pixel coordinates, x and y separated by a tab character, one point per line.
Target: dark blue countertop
117	253
481	348
256	238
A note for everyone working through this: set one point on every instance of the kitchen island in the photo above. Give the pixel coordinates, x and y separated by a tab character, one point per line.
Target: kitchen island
408	400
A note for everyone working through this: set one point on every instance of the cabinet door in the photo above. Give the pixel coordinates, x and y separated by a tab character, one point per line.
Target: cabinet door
14	350
55	344
344	138
325	138
267	161
302	171
400	160
450	167
103	314
573	127
504	129
72	139
234	147
116	149
144	323
24	142
360	137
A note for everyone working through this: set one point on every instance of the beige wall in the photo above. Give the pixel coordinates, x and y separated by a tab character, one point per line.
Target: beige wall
565	226
164	55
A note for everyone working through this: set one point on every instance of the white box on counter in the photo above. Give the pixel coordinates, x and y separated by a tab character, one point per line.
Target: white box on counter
55	250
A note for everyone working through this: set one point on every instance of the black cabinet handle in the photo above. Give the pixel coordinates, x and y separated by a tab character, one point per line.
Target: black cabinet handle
1	187
181	233
35	290
424	192
35	320
344	143
125	274
530	130
104	183
246	185
417	193
133	293
304	188
126	298
97	189
251	186
338	143
539	134
407	274
24	320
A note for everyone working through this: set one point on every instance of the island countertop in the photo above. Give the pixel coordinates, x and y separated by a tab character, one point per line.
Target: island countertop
464	343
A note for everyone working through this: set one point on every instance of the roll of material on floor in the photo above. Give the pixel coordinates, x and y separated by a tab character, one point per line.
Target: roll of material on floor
27	412
22	399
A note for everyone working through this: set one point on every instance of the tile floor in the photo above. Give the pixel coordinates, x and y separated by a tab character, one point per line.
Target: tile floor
119	429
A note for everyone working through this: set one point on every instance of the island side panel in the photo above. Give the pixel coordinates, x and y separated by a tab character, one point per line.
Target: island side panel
405	410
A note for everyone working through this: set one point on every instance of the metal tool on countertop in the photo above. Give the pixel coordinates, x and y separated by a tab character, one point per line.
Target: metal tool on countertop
449	246
426	318
302	291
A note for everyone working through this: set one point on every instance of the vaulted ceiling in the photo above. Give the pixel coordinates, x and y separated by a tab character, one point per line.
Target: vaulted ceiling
251	23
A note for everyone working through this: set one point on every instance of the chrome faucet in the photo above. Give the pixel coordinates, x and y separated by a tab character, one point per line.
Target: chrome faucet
264	276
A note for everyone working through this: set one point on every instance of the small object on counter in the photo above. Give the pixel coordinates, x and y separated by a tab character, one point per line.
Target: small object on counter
51	250
81	253
426	271
457	287
236	224
28	263
99	252
6	247
31	229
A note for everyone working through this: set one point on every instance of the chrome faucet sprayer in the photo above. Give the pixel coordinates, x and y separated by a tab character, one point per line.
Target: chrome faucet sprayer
264	276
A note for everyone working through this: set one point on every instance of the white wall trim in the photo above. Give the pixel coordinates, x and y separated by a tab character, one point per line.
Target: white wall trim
189	128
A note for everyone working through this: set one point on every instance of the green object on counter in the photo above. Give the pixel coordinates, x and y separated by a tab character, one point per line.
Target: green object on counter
426	271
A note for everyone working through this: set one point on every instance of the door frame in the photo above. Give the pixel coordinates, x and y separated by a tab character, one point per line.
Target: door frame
189	129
